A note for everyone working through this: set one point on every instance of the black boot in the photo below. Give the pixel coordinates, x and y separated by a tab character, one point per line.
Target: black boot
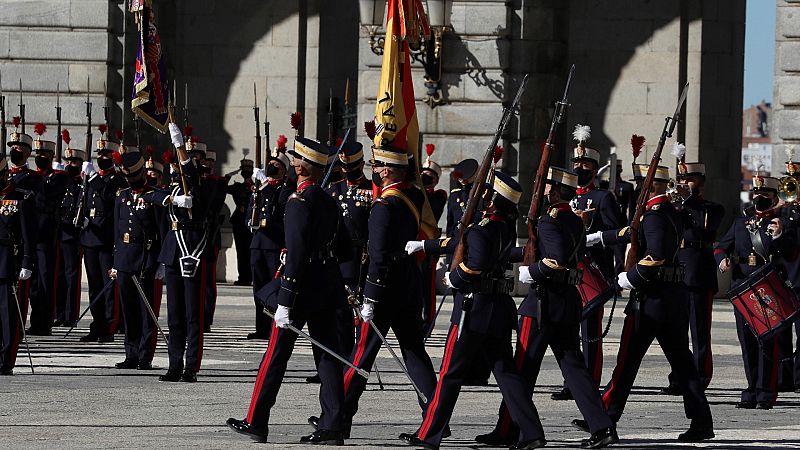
323	437
413	439
172	376
697	433
242	427
127	364
494	439
528	445
672	389
601	438
189	376
563	394
581	425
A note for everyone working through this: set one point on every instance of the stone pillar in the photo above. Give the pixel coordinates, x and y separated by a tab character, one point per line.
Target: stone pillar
785	122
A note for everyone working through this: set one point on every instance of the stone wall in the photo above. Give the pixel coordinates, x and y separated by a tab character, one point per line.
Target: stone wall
785	126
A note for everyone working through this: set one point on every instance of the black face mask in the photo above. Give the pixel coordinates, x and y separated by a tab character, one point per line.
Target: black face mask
17	157
377	179
73	171
291	175
762	203
152	181
354	176
205	169
695	192
175	177
427	180
336	175
247	173
42	162
272	171
136	184
584	176
105	163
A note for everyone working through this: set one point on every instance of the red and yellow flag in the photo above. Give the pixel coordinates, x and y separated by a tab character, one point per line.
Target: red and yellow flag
395	111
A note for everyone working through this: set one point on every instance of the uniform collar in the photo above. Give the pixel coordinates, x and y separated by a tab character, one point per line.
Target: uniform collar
560	206
357	182
18	169
397	185
581	190
44	172
273	182
658	199
103	172
305	184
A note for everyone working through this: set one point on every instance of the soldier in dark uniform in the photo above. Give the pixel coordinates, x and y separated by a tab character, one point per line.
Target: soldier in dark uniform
17	256
97	240
312	219
153	282
751	242
53	187
600	211
136	236
241	192
214	188
553	277
789	367
626	197
697	256
68	289
180	254
431	171
464	174
658	309
268	231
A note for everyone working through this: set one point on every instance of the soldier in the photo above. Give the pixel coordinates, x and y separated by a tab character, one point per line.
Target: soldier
68	290
268	230
180	254
553	277
136	238
751	242
54	186
241	192
464	174
789	372
17	256
431	171
214	189
97	240
658	309
312	220
697	256
600	211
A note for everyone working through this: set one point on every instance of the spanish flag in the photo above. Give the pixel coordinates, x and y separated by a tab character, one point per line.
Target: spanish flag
395	112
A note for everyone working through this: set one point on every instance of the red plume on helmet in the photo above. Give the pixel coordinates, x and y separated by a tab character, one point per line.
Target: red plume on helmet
103	128
498	153
149	150
39	129
16	121
188	130
429	149
295	119
457	174
65	136
637	142
119	135
167	157
281	143
369	128
117	157
339	142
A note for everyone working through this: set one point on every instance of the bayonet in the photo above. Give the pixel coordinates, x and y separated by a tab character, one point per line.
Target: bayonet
59	143
21	107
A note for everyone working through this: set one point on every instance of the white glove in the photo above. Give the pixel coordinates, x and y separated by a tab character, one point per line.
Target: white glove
176	135
57	166
447	281
622	281
282	317
24	274
414	246
88	168
182	201
368	311
525	275
160	272
259	176
85	223
112	273
594	238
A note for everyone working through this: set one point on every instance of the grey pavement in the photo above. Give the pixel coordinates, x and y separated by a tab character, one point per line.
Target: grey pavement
77	400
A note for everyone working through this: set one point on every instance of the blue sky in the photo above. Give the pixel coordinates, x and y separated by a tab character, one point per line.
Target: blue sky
759	52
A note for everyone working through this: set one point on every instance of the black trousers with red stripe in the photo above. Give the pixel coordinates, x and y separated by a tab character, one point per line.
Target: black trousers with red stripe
672	335
43	294
264	265
701	305
591	337
140	330
760	364
105	311
428	269
68	288
185	307
459	354
405	322
10	327
562	338
149	329
273	368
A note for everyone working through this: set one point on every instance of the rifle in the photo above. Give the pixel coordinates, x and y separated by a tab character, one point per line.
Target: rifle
331	120
669	128
76	221
185	103
266	121
2	115
181	154
539	182
105	111
256	183
59	142
612	171
21	107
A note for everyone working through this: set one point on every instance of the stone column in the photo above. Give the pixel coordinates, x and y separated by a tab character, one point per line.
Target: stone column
785	121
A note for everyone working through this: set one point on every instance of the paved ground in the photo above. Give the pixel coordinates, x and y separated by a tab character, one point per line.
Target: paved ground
76	399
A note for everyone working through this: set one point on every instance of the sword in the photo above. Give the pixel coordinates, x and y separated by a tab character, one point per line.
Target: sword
100	295
321	346
149	308
397	360
433	320
22	324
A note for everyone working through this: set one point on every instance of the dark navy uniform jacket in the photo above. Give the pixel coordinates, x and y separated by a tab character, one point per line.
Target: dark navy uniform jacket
136	228
54	186
606	216
737	244
272	200
241	193
456	203
703	219
311	279
438	200
213	190
627	200
393	221
100	194
69	208
185	229
355	202
17	228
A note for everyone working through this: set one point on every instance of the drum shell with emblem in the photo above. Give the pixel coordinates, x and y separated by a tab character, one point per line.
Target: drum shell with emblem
594	288
765	301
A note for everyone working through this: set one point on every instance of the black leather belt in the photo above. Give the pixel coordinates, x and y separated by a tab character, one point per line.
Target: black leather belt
671	274
493	286
197	226
567	276
698	244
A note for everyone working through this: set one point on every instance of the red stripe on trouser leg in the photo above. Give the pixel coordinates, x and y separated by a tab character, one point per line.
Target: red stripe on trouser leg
76	299
56	273
360	348
262	372
627	329
523	339
434	405
708	364
597	371
201	319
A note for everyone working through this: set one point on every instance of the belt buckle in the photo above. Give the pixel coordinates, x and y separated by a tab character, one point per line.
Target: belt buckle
263	223
91	212
126	238
174	226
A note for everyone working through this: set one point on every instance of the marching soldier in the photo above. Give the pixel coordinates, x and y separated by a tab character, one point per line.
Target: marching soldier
68	291
464	174
97	240
750	243
312	220
268	230
789	372
17	256
600	212
657	309
553	277
241	192
697	256
180	254
54	186
214	189
625	195
431	171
